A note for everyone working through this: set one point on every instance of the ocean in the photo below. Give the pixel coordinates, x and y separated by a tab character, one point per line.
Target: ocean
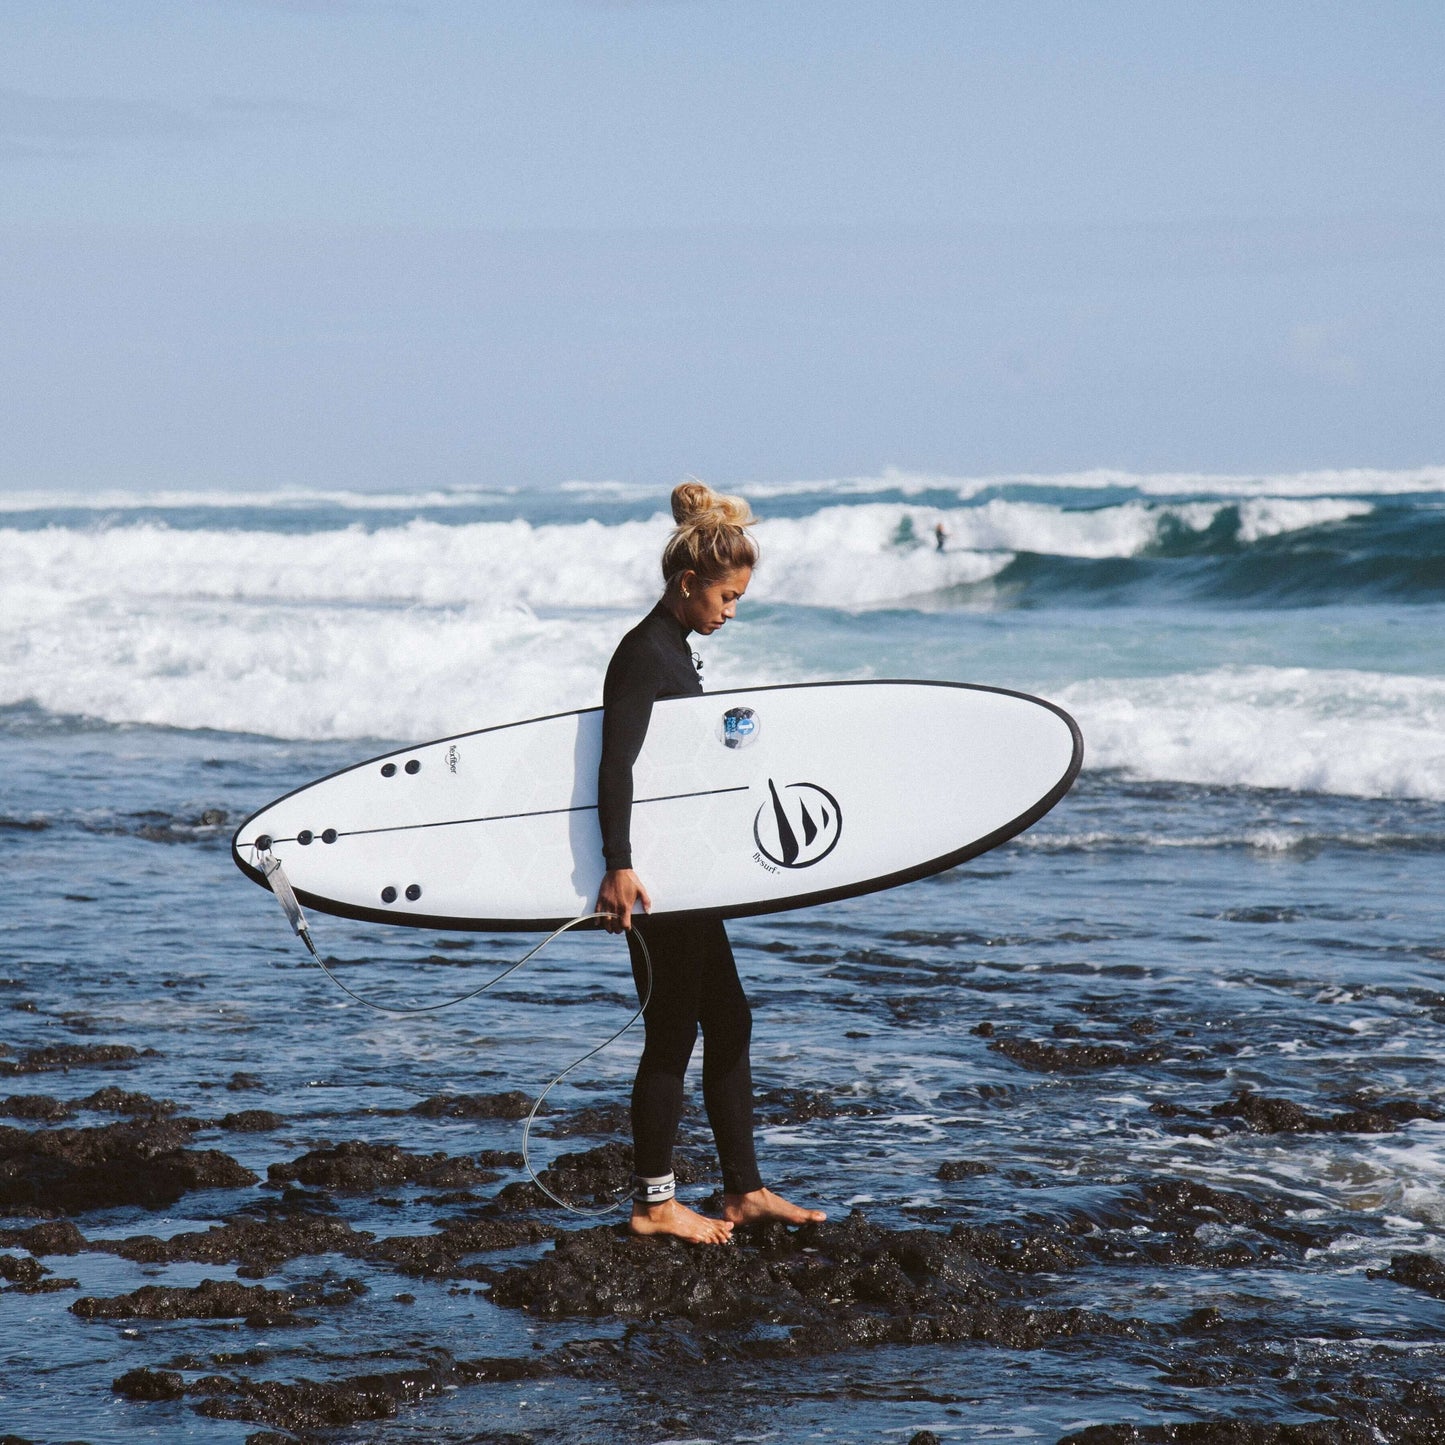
1179	1042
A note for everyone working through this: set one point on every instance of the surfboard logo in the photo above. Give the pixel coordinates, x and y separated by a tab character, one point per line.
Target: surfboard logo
798	826
738	727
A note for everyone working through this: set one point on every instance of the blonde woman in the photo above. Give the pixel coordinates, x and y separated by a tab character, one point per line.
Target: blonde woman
706	566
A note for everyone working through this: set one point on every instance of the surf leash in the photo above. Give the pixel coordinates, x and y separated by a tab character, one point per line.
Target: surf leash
280	885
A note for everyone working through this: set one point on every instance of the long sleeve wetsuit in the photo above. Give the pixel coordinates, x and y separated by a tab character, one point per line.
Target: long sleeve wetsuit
694	976
653	661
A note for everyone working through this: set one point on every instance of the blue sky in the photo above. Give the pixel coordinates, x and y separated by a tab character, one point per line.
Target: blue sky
412	242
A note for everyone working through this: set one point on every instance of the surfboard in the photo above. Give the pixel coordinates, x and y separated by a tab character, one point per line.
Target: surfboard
747	801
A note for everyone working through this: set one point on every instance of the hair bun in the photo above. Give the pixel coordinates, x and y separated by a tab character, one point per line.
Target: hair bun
711	535
695	504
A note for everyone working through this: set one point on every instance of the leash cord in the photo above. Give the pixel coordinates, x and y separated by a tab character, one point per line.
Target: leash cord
281	886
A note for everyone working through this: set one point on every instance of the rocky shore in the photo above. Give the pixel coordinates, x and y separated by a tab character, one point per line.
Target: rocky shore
289	1256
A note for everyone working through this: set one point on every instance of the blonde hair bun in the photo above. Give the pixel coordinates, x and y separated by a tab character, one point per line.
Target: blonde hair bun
711	535
695	504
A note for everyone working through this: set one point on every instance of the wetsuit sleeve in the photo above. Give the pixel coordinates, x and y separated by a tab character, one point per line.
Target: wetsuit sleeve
627	697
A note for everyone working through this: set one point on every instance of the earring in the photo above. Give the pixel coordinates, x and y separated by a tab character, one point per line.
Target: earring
686	593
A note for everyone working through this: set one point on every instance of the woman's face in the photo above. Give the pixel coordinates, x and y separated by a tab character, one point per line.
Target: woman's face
706	606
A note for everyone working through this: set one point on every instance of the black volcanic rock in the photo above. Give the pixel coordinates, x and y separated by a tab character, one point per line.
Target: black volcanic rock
835	1285
357	1165
71	1056
511	1105
68	1171
213	1300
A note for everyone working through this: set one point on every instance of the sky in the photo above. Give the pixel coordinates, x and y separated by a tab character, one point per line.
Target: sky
396	243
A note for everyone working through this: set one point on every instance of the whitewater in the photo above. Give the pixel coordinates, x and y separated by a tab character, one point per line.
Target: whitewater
1268	632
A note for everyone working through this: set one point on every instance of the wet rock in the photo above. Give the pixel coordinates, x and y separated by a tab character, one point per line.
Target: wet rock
1161	1220
924	1437
57	1237
71	1056
260	1244
240	1082
148	1384
69	1171
315	1405
111	1100
252	1121
1074	1058
40	1107
511	1105
1265	1115
21	1270
213	1300
835	1286
1419	1271
440	1254
954	1169
794	1106
357	1165
1358	1410
601	1119
1034	1250
1222	1432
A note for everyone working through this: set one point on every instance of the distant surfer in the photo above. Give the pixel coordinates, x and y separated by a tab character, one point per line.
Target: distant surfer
707	565
940	535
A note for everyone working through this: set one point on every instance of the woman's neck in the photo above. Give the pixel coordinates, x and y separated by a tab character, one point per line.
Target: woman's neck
671	603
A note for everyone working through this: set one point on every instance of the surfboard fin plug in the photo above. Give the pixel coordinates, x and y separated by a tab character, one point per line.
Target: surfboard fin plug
280	885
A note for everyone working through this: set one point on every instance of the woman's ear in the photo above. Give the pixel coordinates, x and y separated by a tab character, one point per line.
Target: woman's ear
687	581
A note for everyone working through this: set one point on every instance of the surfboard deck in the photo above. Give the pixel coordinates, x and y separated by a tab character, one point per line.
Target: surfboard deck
747	801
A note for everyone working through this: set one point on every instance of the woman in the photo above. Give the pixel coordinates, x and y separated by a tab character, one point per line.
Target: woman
707	565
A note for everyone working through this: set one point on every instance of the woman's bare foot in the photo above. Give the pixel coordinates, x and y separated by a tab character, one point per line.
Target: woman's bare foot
764	1204
676	1219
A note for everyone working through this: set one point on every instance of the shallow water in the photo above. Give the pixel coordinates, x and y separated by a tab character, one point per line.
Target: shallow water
1285	943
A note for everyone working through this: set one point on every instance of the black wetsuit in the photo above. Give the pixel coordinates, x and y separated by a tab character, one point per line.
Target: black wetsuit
694	978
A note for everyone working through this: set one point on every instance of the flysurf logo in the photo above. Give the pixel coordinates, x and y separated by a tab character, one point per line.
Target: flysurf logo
799	825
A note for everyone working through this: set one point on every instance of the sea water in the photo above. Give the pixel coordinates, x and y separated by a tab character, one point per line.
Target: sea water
1249	869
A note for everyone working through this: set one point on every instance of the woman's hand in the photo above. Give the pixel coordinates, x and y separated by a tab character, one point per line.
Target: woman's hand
620	892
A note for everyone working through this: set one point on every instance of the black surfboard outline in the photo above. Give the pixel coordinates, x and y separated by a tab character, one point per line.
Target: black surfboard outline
926	869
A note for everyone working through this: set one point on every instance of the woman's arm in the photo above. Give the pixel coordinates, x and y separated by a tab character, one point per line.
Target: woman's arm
627	698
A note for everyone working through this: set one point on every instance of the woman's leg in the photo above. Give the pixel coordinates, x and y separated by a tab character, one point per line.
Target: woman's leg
727	1074
727	1085
671	1025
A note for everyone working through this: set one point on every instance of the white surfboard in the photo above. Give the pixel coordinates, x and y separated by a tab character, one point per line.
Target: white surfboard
747	801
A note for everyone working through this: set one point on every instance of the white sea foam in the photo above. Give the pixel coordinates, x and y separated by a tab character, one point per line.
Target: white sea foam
420	629
851	556
1368	734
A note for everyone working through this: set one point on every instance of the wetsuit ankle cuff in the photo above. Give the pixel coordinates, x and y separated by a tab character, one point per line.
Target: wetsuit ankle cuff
656	1190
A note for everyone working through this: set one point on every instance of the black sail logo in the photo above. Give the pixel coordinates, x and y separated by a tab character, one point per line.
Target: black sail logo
798	826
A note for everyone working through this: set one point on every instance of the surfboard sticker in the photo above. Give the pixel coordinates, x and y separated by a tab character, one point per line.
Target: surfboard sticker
818	791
